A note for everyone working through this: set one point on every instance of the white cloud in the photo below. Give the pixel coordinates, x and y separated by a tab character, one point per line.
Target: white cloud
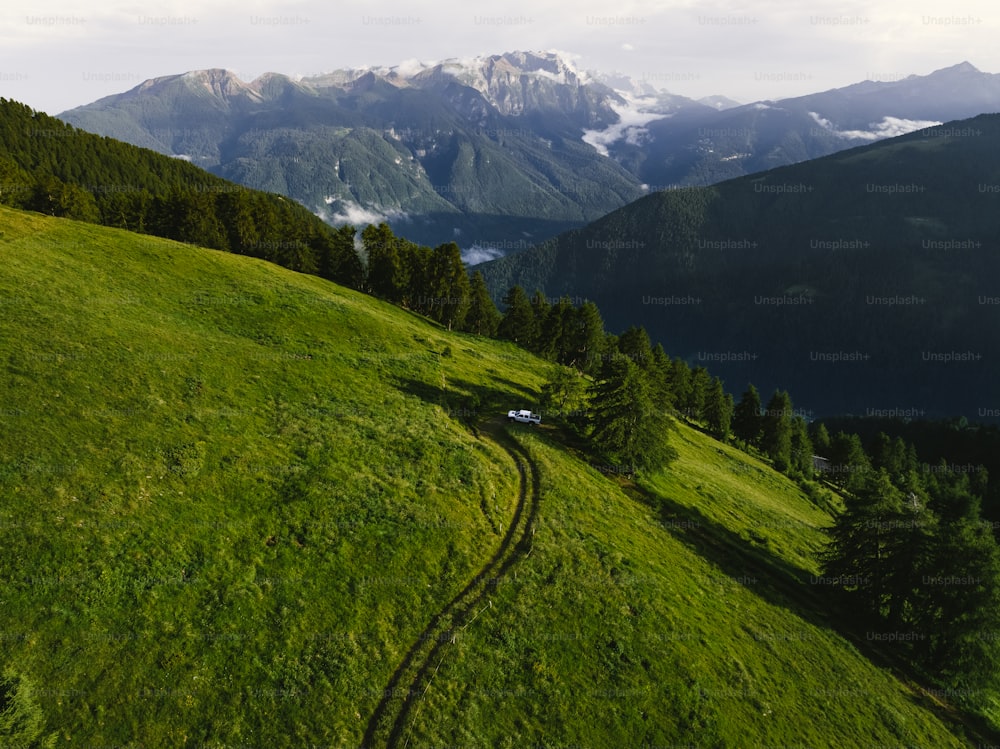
631	126
887	127
349	212
475	255
409	68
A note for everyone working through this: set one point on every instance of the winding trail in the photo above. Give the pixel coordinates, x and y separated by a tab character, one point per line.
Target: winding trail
402	696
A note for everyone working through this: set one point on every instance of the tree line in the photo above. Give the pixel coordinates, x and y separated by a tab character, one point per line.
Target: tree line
51	167
910	560
914	564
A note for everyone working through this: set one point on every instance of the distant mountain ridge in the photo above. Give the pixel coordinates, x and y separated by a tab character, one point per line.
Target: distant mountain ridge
498	152
711	147
487	151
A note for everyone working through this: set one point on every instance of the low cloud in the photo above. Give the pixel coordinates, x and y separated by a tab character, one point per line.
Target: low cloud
887	127
475	255
631	125
348	212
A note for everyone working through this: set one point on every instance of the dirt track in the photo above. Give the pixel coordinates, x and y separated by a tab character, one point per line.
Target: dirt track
388	725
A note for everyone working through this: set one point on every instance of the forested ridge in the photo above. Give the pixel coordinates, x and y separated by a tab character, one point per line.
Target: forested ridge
53	168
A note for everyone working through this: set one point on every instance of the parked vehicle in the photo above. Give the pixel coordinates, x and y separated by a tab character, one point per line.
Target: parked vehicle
524	416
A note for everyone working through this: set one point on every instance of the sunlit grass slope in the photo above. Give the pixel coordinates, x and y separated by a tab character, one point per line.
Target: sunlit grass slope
233	497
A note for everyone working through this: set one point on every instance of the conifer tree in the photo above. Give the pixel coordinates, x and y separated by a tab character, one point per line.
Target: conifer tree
958	612
518	323
821	440
801	448
587	339
680	383
557	331
694	405
776	430
483	316
448	285
386	274
634	344
549	321
864	539
718	410
339	260
419	292
565	393
626	425
849	463
747	420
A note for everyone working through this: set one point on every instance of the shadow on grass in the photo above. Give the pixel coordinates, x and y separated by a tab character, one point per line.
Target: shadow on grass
756	568
740	561
804	595
471	404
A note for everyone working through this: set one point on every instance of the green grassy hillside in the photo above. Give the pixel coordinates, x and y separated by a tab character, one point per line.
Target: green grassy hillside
247	507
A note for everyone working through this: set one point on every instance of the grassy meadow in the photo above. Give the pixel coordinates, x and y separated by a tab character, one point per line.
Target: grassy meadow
244	507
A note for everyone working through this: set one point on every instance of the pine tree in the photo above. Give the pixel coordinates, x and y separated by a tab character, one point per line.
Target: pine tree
660	377
634	344
680	383
339	259
557	331
801	449
849	463
700	383
587	339
420	292
548	324
718	410
959	611
483	316
565	394
448	285
747	420
518	323
776	431
626	426
386	274
821	440
862	541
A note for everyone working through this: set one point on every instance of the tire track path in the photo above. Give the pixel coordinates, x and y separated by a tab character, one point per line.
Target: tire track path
411	679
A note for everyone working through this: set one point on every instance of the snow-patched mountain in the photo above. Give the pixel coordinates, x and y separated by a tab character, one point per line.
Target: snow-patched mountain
487	150
731	141
499	151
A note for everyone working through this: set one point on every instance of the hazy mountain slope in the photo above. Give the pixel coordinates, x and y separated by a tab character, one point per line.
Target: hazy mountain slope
864	281
718	145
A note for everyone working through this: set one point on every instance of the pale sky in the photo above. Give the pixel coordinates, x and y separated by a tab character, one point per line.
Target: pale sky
58	54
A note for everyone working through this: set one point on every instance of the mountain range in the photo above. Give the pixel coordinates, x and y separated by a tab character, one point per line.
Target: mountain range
499	152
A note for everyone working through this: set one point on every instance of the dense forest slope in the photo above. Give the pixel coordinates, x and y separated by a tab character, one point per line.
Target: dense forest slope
864	282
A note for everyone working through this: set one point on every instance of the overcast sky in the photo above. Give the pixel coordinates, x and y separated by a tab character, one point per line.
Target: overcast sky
57	54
